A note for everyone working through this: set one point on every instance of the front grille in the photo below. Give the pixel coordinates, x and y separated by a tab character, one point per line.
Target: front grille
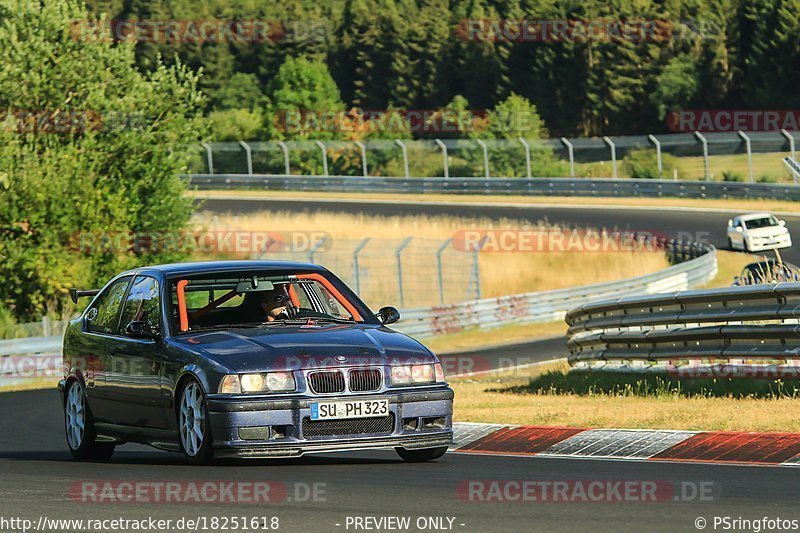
326	382
363	380
351	426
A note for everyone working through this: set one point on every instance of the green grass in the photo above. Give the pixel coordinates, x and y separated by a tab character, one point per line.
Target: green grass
625	384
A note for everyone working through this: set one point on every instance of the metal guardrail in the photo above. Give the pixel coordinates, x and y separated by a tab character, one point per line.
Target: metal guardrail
700	266
739	325
501	186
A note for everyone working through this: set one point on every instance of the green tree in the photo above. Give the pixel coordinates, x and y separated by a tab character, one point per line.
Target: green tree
99	153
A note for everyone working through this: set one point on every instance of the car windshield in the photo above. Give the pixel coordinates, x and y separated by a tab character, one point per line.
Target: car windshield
256	300
763	222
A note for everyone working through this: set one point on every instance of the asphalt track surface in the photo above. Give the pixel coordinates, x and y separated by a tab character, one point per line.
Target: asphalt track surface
692	224
37	472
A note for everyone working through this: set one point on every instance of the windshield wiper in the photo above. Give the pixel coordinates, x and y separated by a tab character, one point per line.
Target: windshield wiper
229	326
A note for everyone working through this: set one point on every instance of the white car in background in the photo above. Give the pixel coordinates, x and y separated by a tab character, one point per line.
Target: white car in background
757	232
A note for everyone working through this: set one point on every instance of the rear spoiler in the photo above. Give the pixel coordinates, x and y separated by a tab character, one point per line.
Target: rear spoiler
74	294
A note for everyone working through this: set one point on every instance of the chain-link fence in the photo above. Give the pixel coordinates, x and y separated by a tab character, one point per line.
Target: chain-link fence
408	272
749	157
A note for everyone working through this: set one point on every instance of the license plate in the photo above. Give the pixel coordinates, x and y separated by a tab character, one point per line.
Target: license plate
349	409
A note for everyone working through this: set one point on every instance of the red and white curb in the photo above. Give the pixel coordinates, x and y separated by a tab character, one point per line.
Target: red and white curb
728	447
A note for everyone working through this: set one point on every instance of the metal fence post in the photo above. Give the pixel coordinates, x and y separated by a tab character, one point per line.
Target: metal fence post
485	157
363	158
439	252
400	269
527	155
209	158
324	151
402	146
249	156
705	153
791	143
744	136
356	272
657	143
613	148
285	150
571	152
445	162
476	271
315	248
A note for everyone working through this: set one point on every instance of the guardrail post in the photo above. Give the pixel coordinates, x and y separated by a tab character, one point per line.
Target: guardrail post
485	156
744	136
400	268
476	272
315	248
571	152
705	153
356	272
439	252
209	158
445	162
363	158
324	151
285	150
613	154
46	326
402	146
791	142
249	156
527	156
657	144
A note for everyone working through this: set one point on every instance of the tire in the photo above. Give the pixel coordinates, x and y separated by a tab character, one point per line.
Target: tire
194	431
420	456
79	427
730	245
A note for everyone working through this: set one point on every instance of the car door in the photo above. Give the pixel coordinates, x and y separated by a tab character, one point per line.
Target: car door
737	233
134	381
93	350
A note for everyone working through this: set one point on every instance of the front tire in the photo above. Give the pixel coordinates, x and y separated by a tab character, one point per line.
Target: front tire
421	456
193	425
79	426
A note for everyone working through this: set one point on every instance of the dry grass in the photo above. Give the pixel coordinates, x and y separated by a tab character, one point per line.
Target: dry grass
501	273
474	402
477	338
776	206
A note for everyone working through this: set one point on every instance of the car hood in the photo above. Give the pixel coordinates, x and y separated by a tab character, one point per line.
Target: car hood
768	231
305	347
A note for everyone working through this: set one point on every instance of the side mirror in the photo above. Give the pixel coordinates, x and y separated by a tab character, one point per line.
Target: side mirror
781	222
739	229
730	223
388	315
139	329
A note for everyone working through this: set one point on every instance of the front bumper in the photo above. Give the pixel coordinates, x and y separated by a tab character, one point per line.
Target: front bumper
762	244
229	415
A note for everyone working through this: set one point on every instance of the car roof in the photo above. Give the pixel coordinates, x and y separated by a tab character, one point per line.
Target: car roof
753	216
203	267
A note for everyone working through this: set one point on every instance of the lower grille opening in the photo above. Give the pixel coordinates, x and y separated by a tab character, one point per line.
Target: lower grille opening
350	426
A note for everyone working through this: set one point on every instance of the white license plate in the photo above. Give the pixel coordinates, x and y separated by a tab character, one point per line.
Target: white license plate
349	409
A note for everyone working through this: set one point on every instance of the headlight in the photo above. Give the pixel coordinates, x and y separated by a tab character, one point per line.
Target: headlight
417	374
266	382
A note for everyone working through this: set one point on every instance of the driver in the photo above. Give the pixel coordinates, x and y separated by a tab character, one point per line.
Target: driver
276	304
